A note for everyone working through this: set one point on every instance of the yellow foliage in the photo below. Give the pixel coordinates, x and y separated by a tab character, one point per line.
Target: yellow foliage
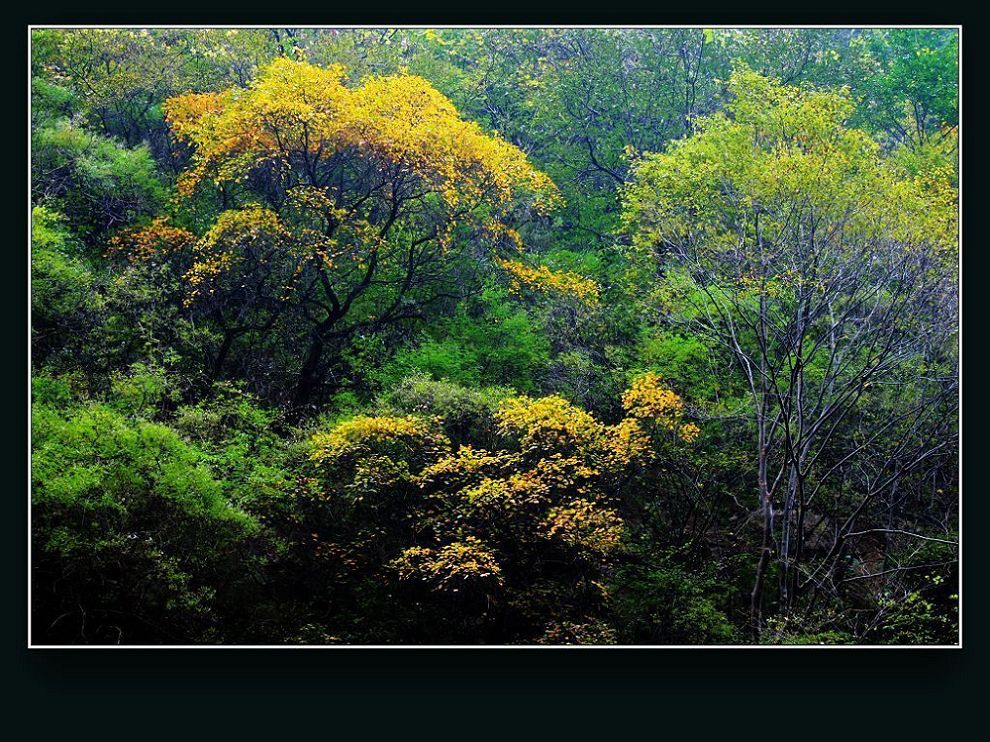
546	481
648	399
235	233
556	487
451	568
544	280
467	463
584	524
553	424
360	435
689	432
625	443
294	109
243	225
158	239
570	632
548	423
783	158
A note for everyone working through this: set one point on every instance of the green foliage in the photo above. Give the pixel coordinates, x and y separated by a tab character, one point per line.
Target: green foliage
98	184
50	102
683	358
62	285
132	532
491	343
61	282
239	444
467	413
668	605
52	392
926	615
913	95
142	391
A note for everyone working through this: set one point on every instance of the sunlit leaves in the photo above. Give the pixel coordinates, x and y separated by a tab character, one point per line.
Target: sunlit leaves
461	565
294	109
780	162
544	280
480	515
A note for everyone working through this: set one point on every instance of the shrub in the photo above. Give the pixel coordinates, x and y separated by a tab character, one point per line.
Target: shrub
133	538
63	299
499	344
467	414
97	183
666	604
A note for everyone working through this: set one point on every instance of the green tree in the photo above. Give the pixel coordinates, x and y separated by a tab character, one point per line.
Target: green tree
822	268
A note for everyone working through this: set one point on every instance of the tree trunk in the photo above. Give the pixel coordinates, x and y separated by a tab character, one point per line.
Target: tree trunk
308	380
756	597
222	353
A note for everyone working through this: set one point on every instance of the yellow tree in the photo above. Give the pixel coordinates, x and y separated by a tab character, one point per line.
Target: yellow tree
371	194
530	527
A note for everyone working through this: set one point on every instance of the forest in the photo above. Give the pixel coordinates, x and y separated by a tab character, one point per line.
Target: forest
495	336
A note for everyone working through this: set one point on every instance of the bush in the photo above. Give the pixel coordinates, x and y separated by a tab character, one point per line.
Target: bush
668	605
97	183
683	358
63	299
467	414
143	390
496	344
927	614
133	538
50	101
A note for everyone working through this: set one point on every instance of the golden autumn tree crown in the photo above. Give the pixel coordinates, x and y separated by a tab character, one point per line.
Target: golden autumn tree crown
299	115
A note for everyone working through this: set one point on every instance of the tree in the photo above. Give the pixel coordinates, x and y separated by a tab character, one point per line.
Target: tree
377	191
62	286
911	93
321	354
121	77
823	269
